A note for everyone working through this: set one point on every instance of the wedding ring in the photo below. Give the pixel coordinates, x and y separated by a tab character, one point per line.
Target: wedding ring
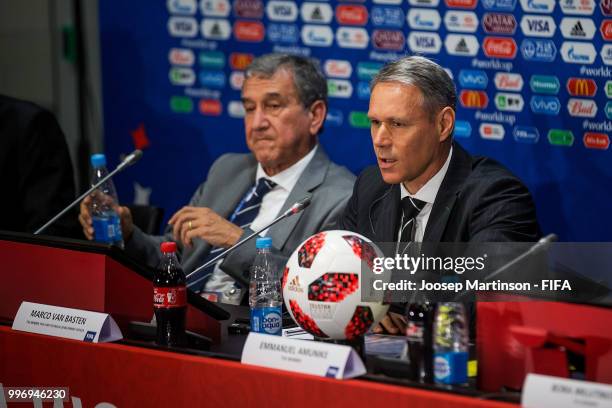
190	225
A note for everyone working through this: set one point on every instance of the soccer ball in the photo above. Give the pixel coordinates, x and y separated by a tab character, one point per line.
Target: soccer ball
322	285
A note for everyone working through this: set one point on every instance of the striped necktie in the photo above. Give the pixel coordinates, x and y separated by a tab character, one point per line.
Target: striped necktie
243	216
411	207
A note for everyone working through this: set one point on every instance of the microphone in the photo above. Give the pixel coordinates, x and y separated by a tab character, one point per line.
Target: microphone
294	209
129	160
543	243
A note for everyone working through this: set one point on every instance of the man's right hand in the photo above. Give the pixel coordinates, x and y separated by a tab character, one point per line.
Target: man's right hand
127	225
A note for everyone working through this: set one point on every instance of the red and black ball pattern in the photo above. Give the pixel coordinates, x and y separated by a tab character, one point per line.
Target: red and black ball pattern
306	322
284	280
333	287
360	322
310	249
362	249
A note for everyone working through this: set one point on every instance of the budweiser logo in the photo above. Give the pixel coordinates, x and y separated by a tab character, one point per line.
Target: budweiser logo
582	108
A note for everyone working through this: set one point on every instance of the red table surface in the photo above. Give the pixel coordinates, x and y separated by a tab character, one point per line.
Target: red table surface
127	376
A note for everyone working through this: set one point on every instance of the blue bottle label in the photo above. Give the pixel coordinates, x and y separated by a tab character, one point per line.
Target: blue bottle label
451	367
107	229
266	320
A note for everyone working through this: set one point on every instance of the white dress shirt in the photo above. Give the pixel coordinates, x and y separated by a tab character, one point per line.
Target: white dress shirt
220	282
427	193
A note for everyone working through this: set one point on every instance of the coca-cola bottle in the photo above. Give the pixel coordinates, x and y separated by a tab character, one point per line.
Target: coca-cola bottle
419	317
169	298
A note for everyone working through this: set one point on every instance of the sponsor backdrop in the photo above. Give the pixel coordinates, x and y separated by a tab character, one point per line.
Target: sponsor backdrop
534	81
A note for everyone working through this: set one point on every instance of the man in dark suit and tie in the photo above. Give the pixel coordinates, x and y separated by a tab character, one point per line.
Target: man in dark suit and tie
426	187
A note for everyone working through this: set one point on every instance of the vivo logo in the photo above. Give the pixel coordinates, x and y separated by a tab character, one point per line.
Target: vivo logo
538	26
424	19
317	36
538	6
282	11
363	90
538	50
424	42
387	16
472	78
578	52
508	81
351	37
526	134
545	105
319	13
216	29
182	26
461	21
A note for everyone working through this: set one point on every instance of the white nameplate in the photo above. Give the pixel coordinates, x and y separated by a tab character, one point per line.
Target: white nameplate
543	391
67	323
302	356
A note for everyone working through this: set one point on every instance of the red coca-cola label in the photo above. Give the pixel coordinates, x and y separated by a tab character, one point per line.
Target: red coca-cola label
169	297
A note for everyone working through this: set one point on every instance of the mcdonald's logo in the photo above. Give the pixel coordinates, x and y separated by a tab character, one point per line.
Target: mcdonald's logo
239	61
581	87
473	99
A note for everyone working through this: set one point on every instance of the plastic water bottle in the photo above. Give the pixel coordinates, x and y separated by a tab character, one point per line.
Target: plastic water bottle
450	344
265	292
106	222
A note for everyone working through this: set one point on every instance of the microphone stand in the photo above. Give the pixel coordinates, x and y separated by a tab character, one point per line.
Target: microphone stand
295	208
131	159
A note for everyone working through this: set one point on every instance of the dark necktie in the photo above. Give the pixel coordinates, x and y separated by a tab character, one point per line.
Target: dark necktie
244	214
411	207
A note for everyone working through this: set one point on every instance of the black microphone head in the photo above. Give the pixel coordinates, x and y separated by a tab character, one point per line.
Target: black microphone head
304	202
137	155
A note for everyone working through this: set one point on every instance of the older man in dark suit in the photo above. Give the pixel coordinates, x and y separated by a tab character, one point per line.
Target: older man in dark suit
426	187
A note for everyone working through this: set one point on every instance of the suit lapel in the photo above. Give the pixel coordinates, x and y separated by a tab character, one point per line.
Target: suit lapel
383	215
229	198
458	170
312	176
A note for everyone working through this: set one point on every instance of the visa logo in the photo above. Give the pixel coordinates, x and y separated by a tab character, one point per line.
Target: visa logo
538	25
473	78
545	105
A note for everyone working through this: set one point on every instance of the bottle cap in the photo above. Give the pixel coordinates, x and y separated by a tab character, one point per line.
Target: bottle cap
98	160
168	247
263	242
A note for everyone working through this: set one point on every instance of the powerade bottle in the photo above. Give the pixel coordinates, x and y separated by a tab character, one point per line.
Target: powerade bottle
106	222
169	298
450	335
265	292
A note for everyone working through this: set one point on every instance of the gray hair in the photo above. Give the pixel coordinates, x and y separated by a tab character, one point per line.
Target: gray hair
308	79
432	80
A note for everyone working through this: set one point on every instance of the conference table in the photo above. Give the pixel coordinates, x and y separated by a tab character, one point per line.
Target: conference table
137	374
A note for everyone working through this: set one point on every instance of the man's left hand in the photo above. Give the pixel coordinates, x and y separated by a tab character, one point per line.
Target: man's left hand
201	222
